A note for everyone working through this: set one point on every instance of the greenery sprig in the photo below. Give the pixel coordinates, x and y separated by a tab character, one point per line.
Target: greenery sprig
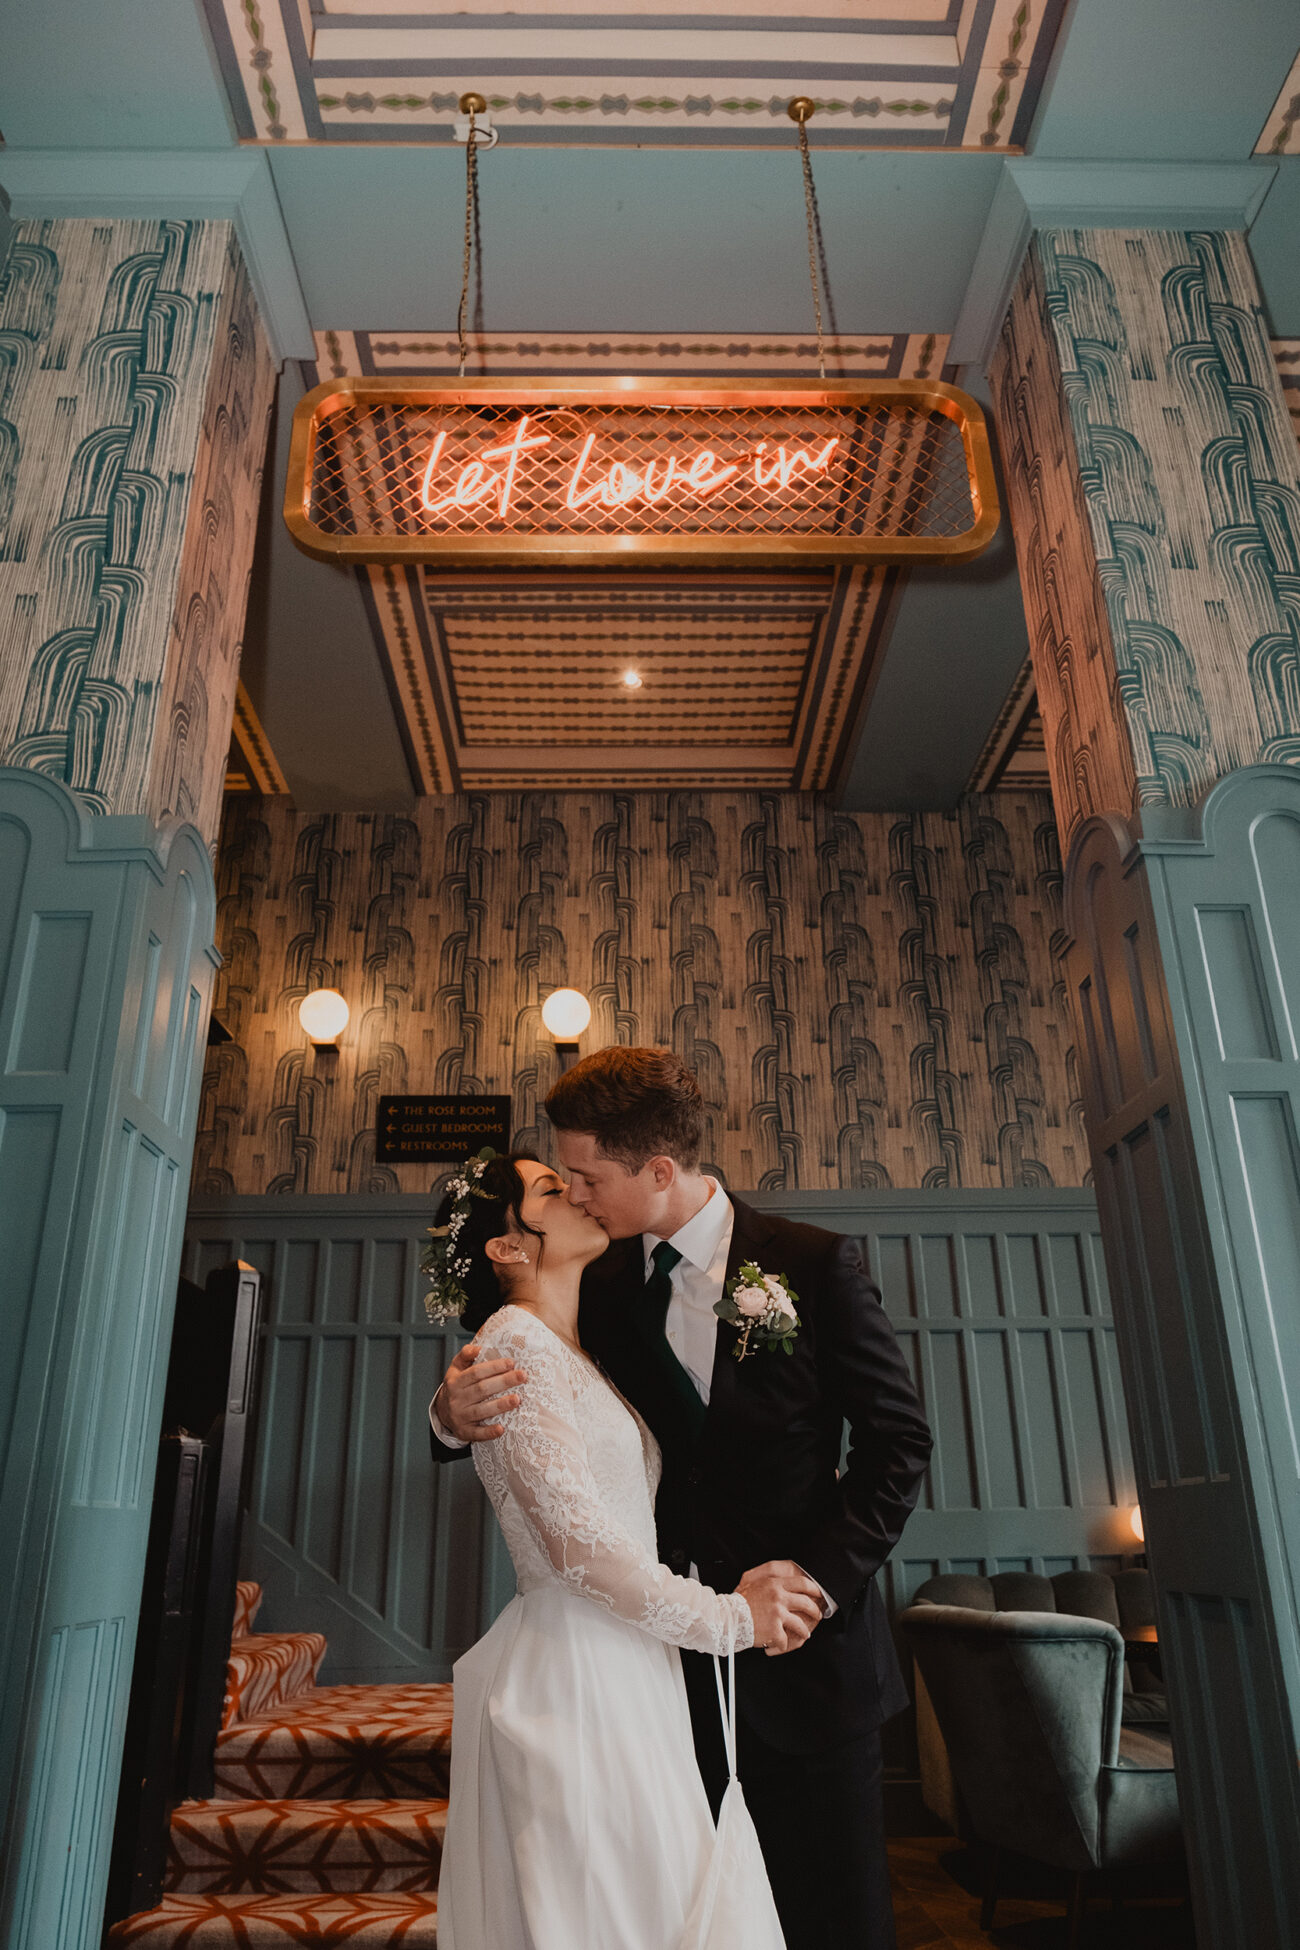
442	1261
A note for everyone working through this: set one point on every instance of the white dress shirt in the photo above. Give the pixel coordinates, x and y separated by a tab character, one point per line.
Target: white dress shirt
697	1282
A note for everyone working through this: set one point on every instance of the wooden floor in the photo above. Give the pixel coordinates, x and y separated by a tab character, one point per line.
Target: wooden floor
937	1886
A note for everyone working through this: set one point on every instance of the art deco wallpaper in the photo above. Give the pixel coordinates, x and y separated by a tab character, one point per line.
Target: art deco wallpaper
135	386
1155	488
870	1000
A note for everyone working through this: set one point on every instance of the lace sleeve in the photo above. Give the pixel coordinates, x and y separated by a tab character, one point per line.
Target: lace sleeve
542	1460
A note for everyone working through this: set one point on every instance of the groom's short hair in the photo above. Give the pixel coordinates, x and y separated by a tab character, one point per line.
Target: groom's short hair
636	1103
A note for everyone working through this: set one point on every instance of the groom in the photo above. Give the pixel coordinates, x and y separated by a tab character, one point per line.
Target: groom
751	1480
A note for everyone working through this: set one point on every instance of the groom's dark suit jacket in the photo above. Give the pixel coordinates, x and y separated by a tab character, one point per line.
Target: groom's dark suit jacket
763	1481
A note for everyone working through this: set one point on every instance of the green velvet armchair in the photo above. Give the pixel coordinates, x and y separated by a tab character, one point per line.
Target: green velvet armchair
1029	1705
1125	1599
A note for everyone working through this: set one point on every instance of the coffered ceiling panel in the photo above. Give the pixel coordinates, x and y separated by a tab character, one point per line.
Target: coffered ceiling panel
929	74
519	680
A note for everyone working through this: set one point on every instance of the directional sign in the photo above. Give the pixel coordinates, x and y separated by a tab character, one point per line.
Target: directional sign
439	1130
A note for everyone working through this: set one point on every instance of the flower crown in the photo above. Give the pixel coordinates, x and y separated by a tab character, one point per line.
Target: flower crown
441	1261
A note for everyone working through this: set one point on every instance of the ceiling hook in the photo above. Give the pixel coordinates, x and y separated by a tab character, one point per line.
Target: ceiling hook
473	112
799	108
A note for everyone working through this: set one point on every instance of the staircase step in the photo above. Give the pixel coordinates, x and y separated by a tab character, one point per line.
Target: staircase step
398	1922
266	1669
230	1848
248	1602
341	1743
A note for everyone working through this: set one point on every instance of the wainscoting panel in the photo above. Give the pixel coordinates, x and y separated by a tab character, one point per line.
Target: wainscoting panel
1001	1304
351	1525
999	1298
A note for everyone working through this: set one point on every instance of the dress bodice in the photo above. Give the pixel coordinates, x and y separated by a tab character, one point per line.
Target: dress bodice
573	1480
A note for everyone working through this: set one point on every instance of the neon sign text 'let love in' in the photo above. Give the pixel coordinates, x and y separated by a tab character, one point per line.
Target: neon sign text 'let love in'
621	484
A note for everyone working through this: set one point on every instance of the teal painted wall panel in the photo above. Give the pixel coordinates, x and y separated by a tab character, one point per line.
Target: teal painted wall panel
1001	1307
107	965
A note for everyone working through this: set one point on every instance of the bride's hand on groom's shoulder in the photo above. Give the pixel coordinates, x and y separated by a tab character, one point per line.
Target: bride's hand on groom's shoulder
475	1394
786	1604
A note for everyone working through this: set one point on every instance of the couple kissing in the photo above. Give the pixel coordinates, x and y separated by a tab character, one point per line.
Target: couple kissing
656	1399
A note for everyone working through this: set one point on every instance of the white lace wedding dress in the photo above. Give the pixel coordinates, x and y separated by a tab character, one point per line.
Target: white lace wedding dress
578	1819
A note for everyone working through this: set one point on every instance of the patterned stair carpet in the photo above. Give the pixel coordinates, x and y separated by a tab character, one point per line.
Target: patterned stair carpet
327	1820
267	1669
277	1922
248	1602
387	1743
305	1848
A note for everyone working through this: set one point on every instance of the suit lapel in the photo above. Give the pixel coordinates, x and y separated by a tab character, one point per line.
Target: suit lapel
750	1231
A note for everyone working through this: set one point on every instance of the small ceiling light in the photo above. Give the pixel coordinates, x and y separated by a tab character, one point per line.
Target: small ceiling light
632	680
566	1013
1135	1523
324	1015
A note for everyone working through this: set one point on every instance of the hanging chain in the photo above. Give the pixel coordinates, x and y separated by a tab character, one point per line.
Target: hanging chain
471	201
810	205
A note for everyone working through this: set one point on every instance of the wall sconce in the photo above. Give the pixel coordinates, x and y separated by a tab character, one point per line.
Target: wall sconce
566	1013
1135	1523
324	1015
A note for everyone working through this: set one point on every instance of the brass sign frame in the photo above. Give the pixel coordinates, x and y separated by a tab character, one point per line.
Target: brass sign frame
650	550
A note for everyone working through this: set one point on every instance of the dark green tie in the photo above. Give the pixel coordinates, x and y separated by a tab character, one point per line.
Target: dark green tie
687	1410
659	1287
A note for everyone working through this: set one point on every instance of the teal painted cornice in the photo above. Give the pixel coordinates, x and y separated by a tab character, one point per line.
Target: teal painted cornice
1033	195
235	184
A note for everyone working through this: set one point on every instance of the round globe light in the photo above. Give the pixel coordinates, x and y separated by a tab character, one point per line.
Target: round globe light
1135	1521
566	1013
324	1015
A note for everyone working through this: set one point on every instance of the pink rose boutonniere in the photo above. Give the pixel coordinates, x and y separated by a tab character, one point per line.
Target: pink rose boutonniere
764	1308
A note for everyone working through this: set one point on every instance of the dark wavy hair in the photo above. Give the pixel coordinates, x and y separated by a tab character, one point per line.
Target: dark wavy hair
497	1212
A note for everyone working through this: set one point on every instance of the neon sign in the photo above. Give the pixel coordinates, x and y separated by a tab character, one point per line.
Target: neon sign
623	484
508	473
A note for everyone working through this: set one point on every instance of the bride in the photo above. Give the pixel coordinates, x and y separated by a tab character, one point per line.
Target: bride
578	1819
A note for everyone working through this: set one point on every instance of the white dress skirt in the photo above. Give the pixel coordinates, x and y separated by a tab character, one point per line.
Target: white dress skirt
577	1816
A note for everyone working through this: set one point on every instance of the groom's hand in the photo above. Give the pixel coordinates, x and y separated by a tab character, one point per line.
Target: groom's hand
786	1605
474	1394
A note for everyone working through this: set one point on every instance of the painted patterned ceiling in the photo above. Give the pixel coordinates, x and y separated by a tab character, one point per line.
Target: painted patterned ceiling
927	74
